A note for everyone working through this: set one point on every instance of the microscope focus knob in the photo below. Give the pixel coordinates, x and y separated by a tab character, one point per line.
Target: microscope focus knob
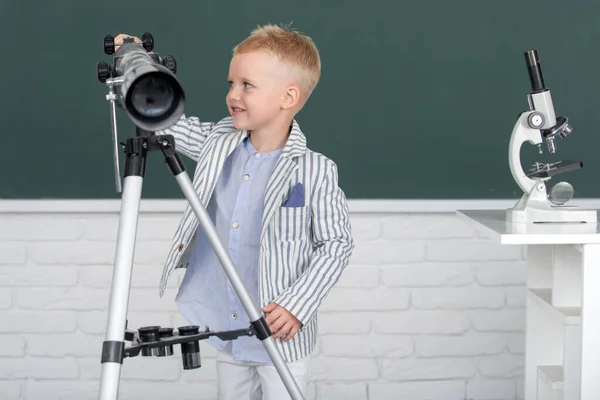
536	120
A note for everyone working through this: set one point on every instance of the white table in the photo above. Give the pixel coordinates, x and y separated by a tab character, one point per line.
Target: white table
562	348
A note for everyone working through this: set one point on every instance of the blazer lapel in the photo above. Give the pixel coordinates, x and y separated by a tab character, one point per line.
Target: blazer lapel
282	174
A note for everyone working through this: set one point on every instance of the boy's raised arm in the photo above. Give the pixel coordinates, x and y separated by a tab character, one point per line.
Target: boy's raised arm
190	134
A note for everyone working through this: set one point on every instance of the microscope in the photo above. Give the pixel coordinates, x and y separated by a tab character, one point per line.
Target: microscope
539	124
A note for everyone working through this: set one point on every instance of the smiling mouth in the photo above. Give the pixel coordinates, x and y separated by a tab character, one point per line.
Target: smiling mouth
237	109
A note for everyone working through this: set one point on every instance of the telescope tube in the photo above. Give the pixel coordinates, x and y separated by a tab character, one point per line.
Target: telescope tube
151	94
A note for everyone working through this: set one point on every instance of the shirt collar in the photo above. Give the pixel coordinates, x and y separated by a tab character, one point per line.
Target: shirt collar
294	146
256	153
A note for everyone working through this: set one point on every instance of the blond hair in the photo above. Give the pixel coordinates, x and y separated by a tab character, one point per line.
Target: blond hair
291	47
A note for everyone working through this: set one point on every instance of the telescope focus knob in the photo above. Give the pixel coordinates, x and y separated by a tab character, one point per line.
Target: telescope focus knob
103	71
170	63
109	44
147	41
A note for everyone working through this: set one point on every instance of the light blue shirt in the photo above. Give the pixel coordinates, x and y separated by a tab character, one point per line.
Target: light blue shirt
206	297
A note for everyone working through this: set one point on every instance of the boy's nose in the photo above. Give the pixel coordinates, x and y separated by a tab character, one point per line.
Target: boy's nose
234	94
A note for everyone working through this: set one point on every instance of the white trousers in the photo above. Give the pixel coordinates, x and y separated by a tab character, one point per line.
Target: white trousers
240	380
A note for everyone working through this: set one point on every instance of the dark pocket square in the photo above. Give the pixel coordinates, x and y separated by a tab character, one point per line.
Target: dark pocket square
296	198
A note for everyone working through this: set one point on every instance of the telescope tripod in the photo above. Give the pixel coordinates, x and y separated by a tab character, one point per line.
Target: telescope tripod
154	340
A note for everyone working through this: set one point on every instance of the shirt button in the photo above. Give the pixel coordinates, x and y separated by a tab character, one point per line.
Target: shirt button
235	225
246	177
234	316
257	154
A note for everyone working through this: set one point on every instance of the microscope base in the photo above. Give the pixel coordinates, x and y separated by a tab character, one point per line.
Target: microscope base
553	214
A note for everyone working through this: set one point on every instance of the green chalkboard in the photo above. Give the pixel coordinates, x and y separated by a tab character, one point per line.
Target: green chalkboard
417	98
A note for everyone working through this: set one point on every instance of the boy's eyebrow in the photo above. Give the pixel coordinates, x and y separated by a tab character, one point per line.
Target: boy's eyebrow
241	79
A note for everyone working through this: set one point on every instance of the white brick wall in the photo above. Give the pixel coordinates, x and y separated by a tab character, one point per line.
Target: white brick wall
428	309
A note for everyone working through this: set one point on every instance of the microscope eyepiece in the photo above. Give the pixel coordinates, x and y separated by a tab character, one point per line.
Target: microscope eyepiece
534	69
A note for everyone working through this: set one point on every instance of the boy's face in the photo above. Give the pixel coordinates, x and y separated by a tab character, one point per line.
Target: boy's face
257	89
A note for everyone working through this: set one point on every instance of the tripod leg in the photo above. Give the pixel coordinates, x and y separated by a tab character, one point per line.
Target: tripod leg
113	346
262	330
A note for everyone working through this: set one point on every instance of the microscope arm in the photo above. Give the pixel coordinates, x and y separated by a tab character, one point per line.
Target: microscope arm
522	133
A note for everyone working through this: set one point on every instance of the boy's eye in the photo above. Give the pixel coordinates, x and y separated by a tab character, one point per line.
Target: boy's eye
246	85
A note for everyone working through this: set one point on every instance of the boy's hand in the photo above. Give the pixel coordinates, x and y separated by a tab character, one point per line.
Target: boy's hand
281	321
119	39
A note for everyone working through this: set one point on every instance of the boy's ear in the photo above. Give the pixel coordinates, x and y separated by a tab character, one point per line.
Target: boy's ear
291	97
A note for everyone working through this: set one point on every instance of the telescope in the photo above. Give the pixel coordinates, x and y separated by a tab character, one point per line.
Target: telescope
149	90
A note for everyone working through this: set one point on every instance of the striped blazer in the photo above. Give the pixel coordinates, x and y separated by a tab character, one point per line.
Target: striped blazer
303	249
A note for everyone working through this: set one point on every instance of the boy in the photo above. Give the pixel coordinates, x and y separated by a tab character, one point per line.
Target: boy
277	208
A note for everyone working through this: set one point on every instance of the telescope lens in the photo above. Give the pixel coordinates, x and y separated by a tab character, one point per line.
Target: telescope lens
190	351
154	100
149	334
152	96
167	350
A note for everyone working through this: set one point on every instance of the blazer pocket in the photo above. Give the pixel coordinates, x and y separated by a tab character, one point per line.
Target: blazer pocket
291	223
